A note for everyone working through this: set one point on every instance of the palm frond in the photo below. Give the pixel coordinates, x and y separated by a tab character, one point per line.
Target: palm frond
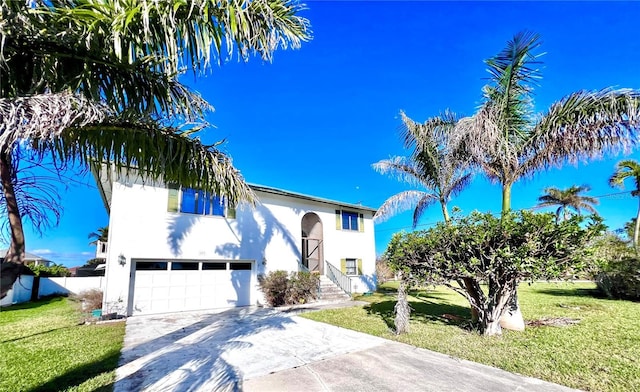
513	74
458	185
402	169
401	202
583	125
196	32
627	168
426	201
74	129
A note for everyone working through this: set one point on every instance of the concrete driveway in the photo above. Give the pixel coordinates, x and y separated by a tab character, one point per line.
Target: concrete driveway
256	349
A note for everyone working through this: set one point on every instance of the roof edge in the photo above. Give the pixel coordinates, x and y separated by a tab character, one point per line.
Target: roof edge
282	192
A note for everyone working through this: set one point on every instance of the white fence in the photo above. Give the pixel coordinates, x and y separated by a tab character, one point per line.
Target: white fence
70	285
21	291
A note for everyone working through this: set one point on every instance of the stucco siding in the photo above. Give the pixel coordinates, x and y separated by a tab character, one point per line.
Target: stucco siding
140	227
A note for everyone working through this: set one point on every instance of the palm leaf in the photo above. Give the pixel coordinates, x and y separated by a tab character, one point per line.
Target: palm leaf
583	125
402	169
401	202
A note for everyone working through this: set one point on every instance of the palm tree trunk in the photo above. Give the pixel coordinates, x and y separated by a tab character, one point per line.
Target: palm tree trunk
14	259
636	229
512	318
402	308
506	198
445	212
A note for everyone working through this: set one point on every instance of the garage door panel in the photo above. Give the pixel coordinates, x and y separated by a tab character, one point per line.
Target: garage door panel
177	279
159	278
157	291
193	278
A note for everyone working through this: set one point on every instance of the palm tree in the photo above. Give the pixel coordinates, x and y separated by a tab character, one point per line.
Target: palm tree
102	235
509	141
566	199
629	168
433	165
90	81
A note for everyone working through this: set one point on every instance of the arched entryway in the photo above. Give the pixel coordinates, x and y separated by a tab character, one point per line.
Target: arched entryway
312	254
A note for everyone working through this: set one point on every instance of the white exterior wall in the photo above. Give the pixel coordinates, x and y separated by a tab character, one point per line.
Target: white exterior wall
269	234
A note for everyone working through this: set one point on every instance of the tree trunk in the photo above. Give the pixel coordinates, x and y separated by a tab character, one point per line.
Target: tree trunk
13	262
506	198
636	229
472	287
492	313
512	317
402	309
445	211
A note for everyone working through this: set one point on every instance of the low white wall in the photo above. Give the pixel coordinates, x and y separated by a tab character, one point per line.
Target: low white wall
70	285
20	292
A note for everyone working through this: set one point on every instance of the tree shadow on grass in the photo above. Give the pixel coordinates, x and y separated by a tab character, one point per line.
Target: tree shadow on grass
37	334
33	304
425	311
572	292
80	374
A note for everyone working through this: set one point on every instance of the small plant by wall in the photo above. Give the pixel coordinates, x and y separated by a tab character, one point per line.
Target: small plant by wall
281	288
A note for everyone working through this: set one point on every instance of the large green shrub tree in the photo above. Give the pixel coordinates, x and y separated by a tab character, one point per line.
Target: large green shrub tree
97	81
509	140
498	252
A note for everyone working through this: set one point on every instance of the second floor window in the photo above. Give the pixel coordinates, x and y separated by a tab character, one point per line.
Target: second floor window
193	201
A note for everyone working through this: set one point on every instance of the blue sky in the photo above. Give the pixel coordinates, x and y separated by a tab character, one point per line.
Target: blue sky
315	119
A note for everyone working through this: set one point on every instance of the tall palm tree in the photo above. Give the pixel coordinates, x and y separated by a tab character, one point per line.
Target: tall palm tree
625	169
509	141
433	165
94	81
566	199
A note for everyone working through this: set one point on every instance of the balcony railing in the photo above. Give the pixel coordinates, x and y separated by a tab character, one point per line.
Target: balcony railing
336	276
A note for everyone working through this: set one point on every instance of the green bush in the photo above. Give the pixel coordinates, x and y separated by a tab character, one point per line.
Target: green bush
620	279
54	270
281	288
274	287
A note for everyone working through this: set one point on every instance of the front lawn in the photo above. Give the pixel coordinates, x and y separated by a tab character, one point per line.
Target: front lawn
599	353
44	347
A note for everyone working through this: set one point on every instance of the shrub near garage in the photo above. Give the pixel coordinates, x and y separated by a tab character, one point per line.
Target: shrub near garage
281	288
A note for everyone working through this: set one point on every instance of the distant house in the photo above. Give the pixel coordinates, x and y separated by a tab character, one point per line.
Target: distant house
174	249
30	258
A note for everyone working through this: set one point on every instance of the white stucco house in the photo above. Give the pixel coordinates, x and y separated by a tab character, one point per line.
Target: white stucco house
180	249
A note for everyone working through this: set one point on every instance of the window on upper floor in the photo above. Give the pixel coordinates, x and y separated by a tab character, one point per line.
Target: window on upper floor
349	220
192	201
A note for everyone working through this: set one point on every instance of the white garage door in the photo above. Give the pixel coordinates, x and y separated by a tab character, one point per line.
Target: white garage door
179	285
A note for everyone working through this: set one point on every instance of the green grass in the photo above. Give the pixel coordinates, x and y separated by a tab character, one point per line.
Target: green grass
600	353
44	347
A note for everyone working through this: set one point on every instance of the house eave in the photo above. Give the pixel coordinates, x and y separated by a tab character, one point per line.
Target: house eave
281	192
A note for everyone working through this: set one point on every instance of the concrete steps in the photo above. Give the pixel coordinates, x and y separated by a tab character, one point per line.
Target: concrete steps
330	292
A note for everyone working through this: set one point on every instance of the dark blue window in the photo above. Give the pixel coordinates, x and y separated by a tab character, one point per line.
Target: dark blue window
200	202
349	220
